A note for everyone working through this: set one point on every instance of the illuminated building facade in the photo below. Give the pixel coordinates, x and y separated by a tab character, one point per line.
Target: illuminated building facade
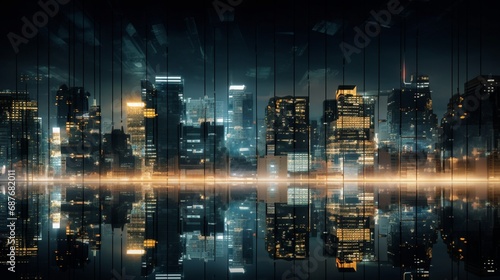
137	131
351	221
287	130
287	234
350	136
202	148
412	123
205	109
170	94
20	129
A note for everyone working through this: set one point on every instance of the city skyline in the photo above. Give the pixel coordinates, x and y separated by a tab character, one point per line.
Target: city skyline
249	139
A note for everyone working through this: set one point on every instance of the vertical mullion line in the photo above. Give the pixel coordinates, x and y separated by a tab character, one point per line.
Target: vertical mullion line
295	128
168	115
401	85
309	127
274	119
416	120
38	129
112	124
83	128
49	137
256	129
215	101
342	151
325	125
100	141
467	135
274	82
121	69
228	154
113	74
93	92
452	41
121	117
205	116
399	138
378	149
417	74
466	123
364	145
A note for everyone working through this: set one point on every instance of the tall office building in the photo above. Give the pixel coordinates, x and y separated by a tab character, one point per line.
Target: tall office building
163	114
470	126
349	144
71	102
240	132
20	129
412	123
79	129
136	128
287	122
202	148
170	91
205	109
148	96
239	119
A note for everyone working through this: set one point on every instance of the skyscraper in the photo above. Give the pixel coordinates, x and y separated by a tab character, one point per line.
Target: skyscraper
148	95
20	129
239	119
205	109
136	128
79	130
350	145
241	142
163	114
287	121
412	123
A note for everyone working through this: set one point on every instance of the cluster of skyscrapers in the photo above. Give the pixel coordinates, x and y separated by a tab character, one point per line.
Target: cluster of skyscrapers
170	134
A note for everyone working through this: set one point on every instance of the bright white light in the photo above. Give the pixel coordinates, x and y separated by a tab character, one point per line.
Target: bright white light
135	104
236	270
135	252
237	87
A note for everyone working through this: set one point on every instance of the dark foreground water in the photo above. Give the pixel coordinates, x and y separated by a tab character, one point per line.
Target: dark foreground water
248	231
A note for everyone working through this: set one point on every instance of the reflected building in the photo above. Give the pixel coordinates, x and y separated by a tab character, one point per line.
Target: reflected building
412	233
163	234
351	224
136	229
287	235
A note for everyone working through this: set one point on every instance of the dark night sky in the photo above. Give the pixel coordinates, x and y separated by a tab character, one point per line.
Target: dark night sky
274	47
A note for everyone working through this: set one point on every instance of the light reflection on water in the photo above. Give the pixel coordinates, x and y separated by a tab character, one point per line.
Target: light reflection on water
246	231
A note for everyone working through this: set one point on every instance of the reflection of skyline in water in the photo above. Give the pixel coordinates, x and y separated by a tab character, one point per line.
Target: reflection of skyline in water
247	231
